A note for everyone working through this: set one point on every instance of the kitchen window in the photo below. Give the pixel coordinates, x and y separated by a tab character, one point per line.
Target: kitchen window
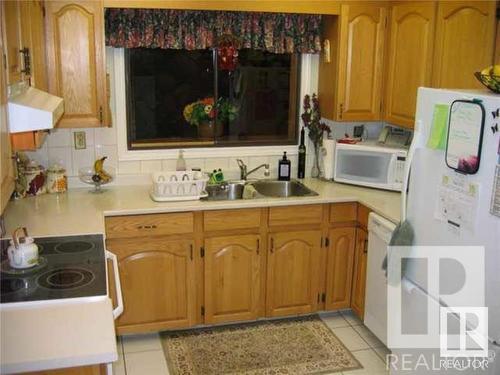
184	98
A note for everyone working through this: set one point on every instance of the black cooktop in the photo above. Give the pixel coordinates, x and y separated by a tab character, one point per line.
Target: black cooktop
68	267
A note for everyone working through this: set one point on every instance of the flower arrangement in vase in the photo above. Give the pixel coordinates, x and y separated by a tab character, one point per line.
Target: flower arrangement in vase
203	112
311	117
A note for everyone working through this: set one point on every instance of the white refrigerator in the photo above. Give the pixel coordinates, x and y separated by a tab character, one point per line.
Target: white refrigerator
440	218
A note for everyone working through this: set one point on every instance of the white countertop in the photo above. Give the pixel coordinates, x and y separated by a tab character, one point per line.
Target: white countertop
46	336
80	212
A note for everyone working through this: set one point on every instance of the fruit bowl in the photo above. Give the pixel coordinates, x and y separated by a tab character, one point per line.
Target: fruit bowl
490	81
89	176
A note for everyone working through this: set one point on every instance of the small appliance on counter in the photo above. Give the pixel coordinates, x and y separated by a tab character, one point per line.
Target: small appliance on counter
284	168
371	164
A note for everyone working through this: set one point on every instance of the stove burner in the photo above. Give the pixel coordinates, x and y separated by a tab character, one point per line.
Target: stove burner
66	278
11	285
74	247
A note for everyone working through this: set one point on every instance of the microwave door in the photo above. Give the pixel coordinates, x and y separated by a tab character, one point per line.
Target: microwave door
363	167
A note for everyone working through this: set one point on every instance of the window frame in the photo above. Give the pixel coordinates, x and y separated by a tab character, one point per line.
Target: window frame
134	146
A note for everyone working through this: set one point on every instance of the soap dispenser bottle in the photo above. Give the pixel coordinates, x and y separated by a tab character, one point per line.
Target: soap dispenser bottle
284	169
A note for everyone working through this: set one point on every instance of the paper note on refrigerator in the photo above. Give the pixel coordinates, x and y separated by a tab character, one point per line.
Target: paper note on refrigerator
495	195
439	128
457	202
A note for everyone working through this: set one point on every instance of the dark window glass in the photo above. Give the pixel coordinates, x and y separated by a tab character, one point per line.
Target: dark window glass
178	98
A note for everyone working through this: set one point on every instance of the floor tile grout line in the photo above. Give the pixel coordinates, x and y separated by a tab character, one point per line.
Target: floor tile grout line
124	359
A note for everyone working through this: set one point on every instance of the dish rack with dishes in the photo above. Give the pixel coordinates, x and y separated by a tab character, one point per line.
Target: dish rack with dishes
178	186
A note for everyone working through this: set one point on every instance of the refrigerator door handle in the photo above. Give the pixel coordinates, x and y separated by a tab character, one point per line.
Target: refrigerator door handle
407	168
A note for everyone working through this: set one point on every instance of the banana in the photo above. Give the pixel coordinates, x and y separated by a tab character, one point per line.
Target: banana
496	70
98	165
487	71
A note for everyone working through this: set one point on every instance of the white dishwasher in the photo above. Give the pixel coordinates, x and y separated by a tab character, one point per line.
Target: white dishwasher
379	234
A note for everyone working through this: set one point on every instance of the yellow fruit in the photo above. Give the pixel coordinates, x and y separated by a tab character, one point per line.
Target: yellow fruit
98	164
496	70
487	71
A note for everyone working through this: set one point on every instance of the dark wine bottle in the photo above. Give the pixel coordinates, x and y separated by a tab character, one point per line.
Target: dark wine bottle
301	170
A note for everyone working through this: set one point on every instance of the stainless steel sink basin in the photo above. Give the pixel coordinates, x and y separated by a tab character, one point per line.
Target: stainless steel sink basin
226	191
282	189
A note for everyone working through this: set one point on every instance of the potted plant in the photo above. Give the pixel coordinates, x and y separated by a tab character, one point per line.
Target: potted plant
202	114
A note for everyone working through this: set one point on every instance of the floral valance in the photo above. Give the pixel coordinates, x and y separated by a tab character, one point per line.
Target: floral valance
179	29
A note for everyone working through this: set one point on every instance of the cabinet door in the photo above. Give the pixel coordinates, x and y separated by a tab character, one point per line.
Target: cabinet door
359	279
339	267
411	43
12	40
75	54
32	38
465	32
6	165
158	285
362	33
292	273
232	278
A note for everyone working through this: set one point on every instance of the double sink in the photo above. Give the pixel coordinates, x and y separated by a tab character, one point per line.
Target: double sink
233	190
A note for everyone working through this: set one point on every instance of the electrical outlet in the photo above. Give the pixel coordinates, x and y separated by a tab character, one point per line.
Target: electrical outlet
80	140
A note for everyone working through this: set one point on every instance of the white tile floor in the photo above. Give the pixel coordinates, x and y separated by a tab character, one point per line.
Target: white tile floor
143	354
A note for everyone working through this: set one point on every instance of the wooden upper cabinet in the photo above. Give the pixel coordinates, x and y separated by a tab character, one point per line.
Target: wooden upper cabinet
339	267
232	278
158	283
6	164
12	39
465	32
76	61
359	277
292	272
33	39
410	53
361	52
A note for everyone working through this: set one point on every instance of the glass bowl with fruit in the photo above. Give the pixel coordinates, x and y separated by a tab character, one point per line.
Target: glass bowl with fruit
97	175
490	77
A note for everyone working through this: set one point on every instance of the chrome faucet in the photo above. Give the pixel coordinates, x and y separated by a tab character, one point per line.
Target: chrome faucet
244	173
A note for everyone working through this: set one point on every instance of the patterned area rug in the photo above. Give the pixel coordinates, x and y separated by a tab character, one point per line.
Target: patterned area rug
289	346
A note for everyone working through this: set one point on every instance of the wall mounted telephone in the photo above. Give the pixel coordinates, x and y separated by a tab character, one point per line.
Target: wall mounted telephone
394	137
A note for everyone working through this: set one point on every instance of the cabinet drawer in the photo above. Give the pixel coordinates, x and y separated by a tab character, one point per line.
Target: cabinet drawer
296	215
342	212
149	225
231	219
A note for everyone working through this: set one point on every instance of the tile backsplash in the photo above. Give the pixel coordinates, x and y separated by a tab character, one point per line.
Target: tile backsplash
59	148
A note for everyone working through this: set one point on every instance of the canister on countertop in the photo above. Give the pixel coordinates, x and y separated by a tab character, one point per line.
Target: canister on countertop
35	178
56	179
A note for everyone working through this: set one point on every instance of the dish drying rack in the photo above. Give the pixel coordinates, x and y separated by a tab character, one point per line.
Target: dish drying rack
178	186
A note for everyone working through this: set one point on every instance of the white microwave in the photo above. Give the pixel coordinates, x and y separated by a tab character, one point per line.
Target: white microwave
369	164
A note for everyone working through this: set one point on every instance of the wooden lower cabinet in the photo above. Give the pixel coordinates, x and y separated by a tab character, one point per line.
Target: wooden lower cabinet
359	277
292	272
232	278
339	267
158	283
84	370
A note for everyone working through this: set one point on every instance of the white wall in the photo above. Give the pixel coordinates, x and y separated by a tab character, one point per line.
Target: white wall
111	142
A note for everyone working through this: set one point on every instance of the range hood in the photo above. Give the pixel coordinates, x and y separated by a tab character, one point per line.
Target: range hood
32	109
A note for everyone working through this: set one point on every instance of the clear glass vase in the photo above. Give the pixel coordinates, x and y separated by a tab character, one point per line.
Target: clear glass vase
316	167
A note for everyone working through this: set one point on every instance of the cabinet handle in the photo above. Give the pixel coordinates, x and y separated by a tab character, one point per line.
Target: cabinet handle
100	114
191	251
26	61
153	226
258	246
341	110
272	245
365	250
